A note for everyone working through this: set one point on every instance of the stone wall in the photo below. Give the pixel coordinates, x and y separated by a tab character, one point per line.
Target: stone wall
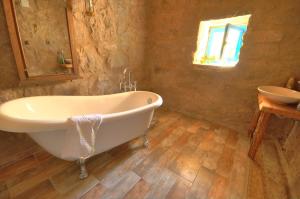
114	37
270	55
111	39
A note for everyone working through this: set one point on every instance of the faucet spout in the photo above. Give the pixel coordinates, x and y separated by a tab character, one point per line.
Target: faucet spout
126	83
124	71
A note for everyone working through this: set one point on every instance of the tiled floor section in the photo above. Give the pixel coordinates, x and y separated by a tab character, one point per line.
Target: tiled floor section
187	158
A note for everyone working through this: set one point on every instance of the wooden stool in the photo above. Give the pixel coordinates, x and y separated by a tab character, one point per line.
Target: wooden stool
261	117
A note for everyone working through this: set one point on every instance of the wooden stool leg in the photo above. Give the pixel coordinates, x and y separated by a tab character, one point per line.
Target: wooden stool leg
254	123
259	133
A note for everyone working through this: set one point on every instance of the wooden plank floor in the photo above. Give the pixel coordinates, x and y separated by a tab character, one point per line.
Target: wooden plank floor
187	158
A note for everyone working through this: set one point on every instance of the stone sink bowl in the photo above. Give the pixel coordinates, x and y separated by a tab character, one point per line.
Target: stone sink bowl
279	94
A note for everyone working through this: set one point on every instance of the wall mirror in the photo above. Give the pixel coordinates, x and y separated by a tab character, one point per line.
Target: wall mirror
42	39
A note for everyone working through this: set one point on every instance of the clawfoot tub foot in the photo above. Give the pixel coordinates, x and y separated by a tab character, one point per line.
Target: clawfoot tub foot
83	172
146	141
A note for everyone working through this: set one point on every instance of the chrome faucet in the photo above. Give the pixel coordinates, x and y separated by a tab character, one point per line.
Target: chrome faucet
126	83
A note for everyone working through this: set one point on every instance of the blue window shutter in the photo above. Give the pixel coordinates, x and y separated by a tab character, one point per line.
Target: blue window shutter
212	36
241	29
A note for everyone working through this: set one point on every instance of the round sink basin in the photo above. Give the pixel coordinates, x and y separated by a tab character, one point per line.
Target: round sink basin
280	94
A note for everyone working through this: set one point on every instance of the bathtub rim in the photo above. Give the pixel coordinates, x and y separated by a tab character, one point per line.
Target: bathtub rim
62	124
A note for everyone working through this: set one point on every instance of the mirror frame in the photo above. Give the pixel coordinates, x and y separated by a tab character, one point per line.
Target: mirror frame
15	39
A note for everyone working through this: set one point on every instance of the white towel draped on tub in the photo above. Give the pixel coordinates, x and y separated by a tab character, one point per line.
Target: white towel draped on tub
87	127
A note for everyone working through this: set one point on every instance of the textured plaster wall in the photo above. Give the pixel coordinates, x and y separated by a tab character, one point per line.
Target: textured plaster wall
113	38
228	96
270	55
291	152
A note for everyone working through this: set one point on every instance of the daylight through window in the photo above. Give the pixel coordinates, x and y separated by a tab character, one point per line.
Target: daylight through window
220	41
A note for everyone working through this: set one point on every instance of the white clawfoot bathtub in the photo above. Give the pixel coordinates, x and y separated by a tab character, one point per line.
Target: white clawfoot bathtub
44	118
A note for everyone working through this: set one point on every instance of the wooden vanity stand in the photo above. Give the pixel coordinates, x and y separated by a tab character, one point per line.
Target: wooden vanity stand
260	120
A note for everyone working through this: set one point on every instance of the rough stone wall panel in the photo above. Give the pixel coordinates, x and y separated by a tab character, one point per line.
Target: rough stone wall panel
114	37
